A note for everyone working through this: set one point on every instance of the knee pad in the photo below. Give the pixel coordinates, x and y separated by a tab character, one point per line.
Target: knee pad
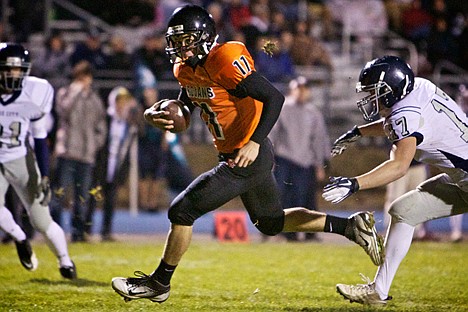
270	225
40	217
408	209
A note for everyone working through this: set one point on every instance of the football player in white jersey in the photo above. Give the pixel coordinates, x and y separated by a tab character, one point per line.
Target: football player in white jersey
25	101
423	123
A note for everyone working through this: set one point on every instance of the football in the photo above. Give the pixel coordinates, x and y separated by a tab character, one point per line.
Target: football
179	113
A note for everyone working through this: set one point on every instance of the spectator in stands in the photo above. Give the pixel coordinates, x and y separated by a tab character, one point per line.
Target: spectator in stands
394	9
238	13
307	50
276	65
152	56
278	22
82	131
302	148
361	18
223	25
441	45
257	25
124	120
90	50
416	23
53	63
439	8
119	56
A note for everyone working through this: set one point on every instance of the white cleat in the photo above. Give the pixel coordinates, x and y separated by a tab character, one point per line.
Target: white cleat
361	293
141	287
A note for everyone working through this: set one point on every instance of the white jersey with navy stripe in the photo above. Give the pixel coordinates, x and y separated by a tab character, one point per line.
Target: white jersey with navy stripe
439	125
23	112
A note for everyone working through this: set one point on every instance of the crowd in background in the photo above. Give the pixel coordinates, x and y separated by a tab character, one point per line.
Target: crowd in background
301	31
436	27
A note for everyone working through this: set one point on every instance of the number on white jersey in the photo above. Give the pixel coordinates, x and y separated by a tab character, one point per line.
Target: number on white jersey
441	108
15	128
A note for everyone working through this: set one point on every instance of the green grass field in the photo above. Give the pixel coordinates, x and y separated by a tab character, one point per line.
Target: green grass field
271	276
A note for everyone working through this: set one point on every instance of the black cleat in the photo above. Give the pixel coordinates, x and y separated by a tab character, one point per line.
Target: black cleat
26	255
69	271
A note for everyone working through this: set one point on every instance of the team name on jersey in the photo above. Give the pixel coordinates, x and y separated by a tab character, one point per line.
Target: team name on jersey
200	92
9	114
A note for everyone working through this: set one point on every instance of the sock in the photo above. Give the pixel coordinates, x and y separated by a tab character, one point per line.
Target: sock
397	244
335	225
55	238
9	226
163	273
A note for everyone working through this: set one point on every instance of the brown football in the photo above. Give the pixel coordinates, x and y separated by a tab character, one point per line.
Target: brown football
179	113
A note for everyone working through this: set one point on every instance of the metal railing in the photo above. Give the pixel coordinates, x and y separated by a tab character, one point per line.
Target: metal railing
445	72
85	18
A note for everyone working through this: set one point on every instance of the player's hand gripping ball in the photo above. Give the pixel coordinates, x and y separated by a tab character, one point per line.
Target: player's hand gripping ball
171	115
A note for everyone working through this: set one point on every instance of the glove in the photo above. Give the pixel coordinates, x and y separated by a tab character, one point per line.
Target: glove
341	144
45	190
339	189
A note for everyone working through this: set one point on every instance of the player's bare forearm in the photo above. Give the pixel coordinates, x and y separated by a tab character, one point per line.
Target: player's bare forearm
401	155
383	174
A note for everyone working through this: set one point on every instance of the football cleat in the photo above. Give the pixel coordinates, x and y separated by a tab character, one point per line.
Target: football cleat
69	271
361	293
361	230
26	255
141	287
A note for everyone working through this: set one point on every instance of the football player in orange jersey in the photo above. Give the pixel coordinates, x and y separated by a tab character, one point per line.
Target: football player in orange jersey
240	107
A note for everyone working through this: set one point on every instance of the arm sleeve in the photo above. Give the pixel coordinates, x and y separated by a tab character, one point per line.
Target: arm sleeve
42	155
259	88
183	96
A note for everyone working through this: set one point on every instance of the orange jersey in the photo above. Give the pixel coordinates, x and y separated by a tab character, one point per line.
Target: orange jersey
231	120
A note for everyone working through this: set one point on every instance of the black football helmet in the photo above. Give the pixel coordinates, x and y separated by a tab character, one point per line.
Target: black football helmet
13	55
388	79
191	29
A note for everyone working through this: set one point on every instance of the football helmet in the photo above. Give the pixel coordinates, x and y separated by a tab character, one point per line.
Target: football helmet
388	80
13	55
190	34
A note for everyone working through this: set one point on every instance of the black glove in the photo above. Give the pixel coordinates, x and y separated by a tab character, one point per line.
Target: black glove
339	189
341	144
44	189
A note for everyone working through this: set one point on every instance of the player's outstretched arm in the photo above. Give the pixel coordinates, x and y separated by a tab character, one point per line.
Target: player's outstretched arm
342	143
373	129
390	170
